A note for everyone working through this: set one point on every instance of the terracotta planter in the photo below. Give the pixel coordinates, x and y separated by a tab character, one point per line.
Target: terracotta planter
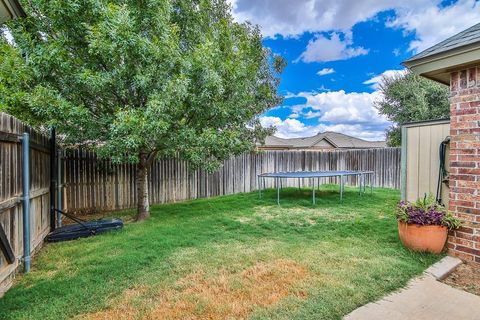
422	238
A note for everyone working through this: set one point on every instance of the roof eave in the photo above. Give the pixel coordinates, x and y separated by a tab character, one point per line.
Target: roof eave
439	66
328	140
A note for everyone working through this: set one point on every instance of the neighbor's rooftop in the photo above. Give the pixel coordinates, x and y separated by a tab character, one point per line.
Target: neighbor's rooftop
337	140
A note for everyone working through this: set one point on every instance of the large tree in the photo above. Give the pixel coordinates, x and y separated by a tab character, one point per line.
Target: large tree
409	97
140	79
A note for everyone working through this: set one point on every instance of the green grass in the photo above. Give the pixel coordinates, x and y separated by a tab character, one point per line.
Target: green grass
349	252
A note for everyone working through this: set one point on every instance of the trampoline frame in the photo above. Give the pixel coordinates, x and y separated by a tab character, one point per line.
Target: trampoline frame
278	176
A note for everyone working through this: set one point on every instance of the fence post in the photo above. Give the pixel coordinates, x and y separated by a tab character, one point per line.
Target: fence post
26	200
53	181
59	187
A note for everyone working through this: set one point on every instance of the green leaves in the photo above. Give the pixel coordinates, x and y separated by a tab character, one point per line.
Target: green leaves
156	76
408	98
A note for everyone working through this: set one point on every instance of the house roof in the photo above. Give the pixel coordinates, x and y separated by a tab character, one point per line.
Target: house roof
337	140
459	51
466	37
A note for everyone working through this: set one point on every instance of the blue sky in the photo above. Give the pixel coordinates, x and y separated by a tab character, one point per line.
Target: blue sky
337	51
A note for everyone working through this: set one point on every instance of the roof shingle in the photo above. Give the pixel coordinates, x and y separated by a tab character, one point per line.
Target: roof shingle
464	38
338	140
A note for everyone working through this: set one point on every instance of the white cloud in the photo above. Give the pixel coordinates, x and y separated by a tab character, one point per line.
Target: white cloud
325	71
433	24
340	107
323	49
349	113
376	80
288	128
429	19
292	128
292	18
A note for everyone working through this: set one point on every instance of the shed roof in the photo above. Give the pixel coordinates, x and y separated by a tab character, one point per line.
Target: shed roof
337	140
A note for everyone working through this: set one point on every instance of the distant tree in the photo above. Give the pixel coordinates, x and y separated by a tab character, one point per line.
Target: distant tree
136	80
409	97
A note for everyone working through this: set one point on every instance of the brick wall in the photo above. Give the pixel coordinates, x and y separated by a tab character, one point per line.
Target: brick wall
465	162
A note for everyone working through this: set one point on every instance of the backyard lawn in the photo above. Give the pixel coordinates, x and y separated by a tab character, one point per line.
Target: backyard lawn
231	257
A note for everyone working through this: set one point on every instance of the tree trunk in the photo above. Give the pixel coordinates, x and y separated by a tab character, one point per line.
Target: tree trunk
143	206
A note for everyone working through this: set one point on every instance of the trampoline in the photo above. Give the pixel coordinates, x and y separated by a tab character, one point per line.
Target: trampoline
278	176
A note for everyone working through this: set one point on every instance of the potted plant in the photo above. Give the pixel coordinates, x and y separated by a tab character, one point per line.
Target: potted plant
423	225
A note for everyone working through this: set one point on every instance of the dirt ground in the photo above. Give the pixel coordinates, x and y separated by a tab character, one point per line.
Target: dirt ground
466	277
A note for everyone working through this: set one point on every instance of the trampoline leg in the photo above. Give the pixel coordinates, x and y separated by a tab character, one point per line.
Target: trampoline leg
313	193
364	184
360	184
372	179
278	191
341	188
298	184
259	187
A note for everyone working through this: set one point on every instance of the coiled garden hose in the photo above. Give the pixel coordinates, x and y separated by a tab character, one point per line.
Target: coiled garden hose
443	173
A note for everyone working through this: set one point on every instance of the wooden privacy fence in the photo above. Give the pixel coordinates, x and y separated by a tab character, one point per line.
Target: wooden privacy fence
91	184
11	192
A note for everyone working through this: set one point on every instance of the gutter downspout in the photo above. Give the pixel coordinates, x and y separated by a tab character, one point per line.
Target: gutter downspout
26	200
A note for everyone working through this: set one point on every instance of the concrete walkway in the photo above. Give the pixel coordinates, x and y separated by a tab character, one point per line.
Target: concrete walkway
424	298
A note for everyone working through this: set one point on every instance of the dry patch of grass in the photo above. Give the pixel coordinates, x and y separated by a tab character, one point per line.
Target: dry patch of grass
124	309
225	295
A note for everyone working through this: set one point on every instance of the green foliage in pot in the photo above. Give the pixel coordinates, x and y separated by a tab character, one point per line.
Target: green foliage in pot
426	212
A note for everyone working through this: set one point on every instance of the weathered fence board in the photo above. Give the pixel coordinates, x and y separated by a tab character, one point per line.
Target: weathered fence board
11	191
94	185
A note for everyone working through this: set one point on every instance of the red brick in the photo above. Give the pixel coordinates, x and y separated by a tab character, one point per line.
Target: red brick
462	151
464	243
469	171
463	79
463	190
471	211
454	81
462	255
463	235
464	177
465	229
472	77
463	111
463	164
468	250
468	204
